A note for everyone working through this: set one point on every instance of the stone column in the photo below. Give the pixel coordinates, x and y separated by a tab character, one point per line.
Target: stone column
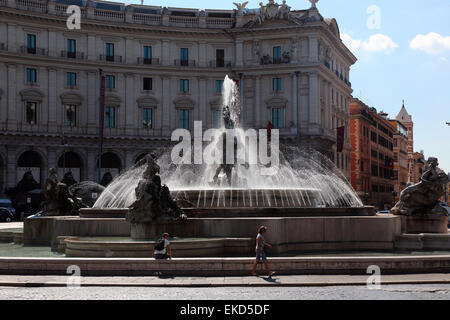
165	58
52	43
91	48
293	113
91	165
11	166
202	55
128	159
258	106
166	105
239	53
294	51
53	102
92	101
313	49
130	57
130	105
51	159
313	99
12	37
12	97
202	112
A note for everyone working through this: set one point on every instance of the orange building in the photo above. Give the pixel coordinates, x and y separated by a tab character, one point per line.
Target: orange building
371	136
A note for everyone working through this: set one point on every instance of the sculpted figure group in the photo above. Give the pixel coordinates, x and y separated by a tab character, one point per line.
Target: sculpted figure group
423	197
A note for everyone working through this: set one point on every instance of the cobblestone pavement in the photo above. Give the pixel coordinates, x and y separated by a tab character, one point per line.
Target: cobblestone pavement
400	292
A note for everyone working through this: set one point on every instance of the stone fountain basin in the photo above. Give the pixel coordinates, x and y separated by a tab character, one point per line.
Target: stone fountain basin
221	212
122	247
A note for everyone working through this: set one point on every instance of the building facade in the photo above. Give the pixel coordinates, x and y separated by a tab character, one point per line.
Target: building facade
406	119
163	70
401	158
419	164
372	155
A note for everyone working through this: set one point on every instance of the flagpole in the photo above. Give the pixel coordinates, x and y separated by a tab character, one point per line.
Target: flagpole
296	89
100	124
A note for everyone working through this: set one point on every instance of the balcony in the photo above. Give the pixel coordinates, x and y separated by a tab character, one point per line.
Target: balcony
72	55
267	59
110	58
184	63
220	64
151	61
37	51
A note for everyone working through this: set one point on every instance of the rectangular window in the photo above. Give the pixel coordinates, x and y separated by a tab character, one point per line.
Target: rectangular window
219	85
31	43
276	84
184	56
373	136
31	75
277	118
109	51
71	48
31	112
71	79
277	54
147	55
71	115
220	58
147	117
184	85
110	117
374	170
110	82
148	84
184	119
218	119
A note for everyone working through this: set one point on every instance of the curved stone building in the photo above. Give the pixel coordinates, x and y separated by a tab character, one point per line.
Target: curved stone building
163	68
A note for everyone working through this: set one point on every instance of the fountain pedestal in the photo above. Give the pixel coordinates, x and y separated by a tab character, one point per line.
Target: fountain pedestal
426	223
154	230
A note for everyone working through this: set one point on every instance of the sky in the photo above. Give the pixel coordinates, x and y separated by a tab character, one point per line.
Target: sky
403	51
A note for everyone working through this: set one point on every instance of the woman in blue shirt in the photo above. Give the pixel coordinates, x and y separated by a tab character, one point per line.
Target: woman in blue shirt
260	254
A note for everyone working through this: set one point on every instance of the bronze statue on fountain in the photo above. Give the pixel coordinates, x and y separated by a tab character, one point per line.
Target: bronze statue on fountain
419	204
153	200
58	200
423	197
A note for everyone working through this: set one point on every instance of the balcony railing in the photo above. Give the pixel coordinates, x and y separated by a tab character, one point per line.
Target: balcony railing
110	58
152	61
220	64
72	55
37	51
184	63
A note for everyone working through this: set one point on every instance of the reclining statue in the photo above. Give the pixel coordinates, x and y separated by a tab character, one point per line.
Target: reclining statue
423	197
153	200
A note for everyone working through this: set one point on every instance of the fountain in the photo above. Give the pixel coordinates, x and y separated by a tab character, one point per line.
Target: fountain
300	195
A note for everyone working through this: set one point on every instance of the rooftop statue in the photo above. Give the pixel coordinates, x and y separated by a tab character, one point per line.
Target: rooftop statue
423	197
153	200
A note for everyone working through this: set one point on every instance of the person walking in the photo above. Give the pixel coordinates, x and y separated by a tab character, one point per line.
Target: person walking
260	253
162	248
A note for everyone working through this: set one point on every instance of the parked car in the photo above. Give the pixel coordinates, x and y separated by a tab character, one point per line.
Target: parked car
384	212
6	203
6	215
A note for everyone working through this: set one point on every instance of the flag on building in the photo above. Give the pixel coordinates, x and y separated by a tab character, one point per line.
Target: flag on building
340	139
269	130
